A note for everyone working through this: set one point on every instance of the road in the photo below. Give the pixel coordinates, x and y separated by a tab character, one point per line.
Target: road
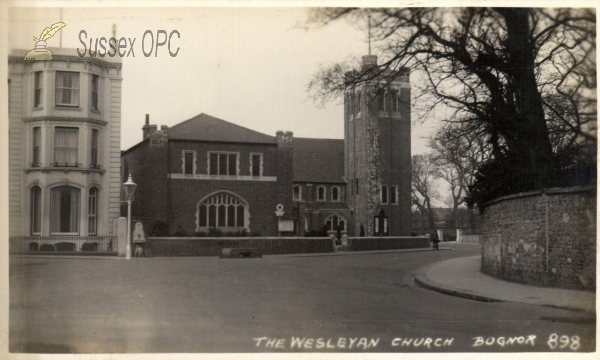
353	303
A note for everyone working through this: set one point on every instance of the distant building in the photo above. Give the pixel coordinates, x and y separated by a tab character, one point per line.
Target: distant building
64	158
205	174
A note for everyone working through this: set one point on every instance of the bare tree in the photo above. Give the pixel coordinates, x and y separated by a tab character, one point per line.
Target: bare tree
458	153
521	76
424	187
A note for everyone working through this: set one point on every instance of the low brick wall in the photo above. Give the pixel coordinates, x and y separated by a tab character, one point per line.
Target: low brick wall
387	243
542	238
188	246
470	239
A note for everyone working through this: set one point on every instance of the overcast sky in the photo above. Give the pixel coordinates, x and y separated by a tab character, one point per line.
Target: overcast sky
249	66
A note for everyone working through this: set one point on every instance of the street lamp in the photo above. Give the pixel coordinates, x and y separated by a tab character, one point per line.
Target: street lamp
129	188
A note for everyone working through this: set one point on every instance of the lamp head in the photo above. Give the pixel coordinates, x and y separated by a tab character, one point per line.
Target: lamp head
129	187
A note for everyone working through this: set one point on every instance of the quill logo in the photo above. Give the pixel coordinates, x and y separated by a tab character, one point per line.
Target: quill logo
40	52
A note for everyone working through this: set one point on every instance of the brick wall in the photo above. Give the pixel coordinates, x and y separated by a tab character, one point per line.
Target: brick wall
542	239
175	200
387	243
214	246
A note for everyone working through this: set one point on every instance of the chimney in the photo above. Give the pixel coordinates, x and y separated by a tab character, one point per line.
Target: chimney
164	129
146	127
369	61
279	135
288	136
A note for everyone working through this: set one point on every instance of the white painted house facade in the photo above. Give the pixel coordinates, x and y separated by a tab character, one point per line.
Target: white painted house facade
64	145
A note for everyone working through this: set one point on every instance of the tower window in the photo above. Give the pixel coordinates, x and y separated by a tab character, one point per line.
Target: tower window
67	88
380	100
321	193
394	194
357	186
37	97
384	194
392	101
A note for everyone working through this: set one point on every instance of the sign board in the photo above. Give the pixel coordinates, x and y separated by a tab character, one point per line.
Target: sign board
286	225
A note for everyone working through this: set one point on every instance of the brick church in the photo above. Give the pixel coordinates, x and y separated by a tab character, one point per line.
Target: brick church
206	173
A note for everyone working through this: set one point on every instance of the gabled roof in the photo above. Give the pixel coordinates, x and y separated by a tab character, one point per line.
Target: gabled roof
204	127
318	160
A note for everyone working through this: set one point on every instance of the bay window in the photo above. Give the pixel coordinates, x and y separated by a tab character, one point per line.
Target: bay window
66	146
36	210
67	88
64	210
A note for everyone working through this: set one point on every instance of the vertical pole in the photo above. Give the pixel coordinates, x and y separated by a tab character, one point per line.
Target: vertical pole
128	247
61	19
547	235
369	34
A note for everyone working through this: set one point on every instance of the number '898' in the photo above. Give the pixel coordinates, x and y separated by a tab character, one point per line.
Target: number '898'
562	342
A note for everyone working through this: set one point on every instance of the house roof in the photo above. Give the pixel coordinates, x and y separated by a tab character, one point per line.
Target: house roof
318	160
204	127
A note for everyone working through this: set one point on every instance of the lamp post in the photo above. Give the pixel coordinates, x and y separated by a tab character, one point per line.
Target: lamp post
129	188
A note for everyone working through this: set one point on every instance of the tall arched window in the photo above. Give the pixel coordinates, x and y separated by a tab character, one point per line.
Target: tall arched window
297	193
335	193
93	211
36	210
222	210
64	210
321	193
333	221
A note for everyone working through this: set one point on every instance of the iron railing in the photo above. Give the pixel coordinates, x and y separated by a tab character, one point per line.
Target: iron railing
65	243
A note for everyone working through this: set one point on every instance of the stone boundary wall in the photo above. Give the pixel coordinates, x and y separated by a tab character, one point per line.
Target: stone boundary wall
204	246
545	238
387	243
470	239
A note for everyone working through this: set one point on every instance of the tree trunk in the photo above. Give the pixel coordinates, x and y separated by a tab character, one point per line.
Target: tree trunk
532	143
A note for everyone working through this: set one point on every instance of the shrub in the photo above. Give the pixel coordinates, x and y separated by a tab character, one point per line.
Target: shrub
180	232
159	228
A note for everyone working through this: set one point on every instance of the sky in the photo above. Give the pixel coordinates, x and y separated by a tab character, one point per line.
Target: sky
248	66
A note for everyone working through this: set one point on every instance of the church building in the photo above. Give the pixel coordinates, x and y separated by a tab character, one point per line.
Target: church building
206	176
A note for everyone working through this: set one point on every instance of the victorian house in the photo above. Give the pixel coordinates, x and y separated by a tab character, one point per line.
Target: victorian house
64	149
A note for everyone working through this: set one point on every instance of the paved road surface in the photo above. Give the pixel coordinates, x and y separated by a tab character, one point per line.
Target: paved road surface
353	303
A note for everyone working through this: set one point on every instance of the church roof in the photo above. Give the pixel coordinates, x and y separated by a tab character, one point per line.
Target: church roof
318	160
204	127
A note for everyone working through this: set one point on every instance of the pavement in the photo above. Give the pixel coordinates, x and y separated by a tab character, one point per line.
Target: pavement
462	277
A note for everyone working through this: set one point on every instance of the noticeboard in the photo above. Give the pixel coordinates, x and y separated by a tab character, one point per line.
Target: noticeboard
286	225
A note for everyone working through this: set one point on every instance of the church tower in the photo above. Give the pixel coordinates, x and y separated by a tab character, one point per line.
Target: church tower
378	153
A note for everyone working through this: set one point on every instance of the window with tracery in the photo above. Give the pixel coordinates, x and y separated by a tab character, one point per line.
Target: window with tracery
222	210
333	221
